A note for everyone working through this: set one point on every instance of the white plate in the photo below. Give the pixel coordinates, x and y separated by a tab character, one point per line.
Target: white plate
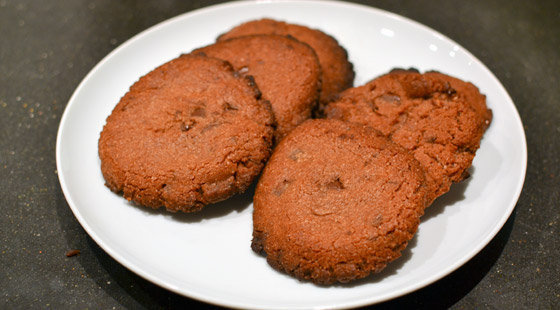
207	256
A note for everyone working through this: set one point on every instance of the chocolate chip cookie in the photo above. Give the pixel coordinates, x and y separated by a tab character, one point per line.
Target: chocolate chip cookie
439	118
336	202
190	133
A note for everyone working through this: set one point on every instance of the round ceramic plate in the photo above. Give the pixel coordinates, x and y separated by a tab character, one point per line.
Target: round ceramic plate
207	255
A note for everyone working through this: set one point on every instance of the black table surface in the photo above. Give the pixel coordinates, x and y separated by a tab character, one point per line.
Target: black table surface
46	49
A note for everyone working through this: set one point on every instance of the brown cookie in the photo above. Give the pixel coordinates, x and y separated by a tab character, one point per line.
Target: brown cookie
338	72
336	202
189	133
439	118
286	71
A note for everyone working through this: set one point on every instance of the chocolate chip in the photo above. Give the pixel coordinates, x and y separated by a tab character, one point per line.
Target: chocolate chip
391	98
229	107
296	155
344	136
281	188
199	112
335	184
186	126
209	127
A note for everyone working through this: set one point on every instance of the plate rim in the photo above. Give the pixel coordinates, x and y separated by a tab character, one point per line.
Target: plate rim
202	297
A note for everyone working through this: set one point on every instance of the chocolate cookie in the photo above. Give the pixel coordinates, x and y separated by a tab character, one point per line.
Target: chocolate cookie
439	118
286	71
189	133
336	202
338	73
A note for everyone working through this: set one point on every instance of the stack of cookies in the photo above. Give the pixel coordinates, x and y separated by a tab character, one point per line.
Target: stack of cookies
340	195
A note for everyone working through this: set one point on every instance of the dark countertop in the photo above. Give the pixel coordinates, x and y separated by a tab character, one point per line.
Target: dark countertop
47	47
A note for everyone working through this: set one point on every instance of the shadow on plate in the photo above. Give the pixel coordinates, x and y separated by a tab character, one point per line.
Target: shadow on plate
236	204
131	290
455	194
452	288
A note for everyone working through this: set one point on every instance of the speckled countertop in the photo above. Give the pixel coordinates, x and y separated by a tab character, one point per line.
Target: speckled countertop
47	47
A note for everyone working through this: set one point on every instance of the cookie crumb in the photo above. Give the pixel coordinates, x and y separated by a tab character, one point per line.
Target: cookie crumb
71	253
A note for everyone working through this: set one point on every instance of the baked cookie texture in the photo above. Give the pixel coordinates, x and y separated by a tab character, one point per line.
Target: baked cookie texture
338	72
439	118
336	202
286	71
190	133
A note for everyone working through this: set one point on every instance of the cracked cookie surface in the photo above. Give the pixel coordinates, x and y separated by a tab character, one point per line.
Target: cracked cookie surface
336	202
439	118
190	133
